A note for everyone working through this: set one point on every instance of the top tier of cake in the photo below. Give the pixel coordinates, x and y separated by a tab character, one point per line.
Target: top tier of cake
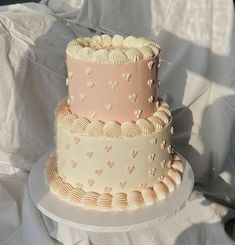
112	78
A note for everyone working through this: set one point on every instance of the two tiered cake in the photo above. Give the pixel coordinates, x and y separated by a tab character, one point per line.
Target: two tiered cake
113	135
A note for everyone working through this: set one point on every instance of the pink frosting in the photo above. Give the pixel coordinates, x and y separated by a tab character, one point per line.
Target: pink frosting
92	95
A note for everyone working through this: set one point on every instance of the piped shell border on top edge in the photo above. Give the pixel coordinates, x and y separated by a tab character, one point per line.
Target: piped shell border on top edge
114	50
105	201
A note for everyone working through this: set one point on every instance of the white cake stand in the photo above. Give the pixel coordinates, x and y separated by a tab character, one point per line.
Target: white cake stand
91	220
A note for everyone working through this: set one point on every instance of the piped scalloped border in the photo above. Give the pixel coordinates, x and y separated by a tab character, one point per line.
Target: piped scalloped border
115	50
160	119
119	201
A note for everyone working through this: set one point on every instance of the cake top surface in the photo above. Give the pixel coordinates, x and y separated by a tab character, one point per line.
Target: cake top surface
114	50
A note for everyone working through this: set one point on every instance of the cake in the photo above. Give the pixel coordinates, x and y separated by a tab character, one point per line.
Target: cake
113	134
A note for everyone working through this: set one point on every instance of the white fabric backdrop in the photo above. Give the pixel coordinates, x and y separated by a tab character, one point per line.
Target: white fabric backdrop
197	78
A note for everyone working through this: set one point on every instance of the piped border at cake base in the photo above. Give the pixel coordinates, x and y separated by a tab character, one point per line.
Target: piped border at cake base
119	201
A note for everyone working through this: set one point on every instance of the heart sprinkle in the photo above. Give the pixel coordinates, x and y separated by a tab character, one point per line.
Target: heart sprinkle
151	99
108	148
130	169
122	184
113	84
82	97
151	157
142	186
93	114
88	71
91	182
110	164
74	164
150	65
89	154
138	113
163	164
163	144
132	97
126	76
90	84
107	189
150	83
154	141
98	171
133	154
108	106
152	171
76	139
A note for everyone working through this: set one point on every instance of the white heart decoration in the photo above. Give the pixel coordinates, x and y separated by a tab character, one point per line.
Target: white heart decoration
113	84
150	83
151	157
151	98
130	169
88	71
90	84
138	113
93	114
132	97
82	97
127	76
152	171
108	106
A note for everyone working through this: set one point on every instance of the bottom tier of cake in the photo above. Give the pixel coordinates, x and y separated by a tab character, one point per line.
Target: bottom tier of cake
117	201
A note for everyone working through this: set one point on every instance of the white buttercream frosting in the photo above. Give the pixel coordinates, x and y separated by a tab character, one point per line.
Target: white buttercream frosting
145	126
117	40
101	56
147	52
68	120
165	109
135	199
130	129
169	182
162	103
134	54
161	190
76	195
104	201
90	198
149	195
129	41
119	201
118	49
95	128
157	122
175	175
112	129
117	56
64	189
106	40
86	53
162	115
177	165
96	41
79	125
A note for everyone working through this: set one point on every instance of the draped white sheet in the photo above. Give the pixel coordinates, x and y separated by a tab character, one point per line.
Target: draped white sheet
197	78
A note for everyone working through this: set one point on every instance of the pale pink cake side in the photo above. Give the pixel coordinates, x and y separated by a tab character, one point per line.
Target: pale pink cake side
112	91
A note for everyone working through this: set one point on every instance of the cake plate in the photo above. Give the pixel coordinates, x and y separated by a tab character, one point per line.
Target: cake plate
98	221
